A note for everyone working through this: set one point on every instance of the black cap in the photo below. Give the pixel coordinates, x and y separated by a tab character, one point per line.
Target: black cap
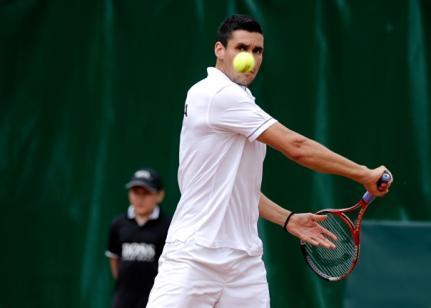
147	178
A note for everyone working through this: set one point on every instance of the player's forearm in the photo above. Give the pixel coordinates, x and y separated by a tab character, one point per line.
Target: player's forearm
114	264
311	154
315	156
272	212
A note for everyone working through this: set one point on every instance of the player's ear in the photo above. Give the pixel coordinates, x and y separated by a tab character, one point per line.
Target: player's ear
219	50
160	196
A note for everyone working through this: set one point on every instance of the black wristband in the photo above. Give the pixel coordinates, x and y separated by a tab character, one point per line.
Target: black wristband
287	220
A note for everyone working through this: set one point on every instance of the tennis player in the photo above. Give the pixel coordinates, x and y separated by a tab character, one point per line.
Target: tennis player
213	255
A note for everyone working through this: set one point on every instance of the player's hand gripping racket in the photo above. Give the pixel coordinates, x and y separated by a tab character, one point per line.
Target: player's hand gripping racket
336	264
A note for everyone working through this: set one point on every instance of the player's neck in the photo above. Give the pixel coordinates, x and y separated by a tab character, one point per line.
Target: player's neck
220	67
142	219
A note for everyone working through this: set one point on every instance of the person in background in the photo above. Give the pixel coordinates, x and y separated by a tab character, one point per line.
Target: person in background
136	240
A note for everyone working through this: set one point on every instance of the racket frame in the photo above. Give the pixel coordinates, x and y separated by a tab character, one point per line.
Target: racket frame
355	229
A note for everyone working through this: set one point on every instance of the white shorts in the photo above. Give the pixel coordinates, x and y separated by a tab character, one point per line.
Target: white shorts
193	276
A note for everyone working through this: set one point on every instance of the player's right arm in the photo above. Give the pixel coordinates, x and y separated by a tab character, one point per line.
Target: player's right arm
114	263
317	157
114	248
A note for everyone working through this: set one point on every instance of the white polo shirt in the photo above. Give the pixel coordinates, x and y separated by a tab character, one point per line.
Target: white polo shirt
220	170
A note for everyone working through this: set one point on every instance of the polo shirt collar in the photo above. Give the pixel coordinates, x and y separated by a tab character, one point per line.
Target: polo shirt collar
153	216
214	72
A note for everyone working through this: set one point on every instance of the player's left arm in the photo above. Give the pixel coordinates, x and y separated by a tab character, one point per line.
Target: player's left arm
305	226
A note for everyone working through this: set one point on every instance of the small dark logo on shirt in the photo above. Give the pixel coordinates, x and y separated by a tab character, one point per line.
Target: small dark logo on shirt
185	110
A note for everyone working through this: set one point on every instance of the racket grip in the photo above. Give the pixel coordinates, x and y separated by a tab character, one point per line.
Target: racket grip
385	178
368	198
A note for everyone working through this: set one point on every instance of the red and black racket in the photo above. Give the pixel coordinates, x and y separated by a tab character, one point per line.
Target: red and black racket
336	264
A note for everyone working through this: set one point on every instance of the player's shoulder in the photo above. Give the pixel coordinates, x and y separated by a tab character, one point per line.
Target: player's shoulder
204	83
214	83
197	86
234	90
232	94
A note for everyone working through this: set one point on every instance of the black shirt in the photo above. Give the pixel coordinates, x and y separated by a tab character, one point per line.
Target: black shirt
138	249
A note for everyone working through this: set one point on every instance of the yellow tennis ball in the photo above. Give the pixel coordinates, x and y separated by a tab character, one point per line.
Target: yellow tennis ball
243	62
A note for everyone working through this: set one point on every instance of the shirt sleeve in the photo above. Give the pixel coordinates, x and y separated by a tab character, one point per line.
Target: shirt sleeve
114	245
234	110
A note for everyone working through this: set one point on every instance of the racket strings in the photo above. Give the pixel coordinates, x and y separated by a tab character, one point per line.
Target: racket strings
337	262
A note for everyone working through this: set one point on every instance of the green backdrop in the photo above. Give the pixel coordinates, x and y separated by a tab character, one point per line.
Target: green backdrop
91	90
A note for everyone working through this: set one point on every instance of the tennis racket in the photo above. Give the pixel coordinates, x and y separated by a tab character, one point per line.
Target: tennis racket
336	264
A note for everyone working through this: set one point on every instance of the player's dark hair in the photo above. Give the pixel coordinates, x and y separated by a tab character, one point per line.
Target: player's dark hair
236	22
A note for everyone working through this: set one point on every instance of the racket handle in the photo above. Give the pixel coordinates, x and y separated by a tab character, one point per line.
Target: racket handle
368	198
385	178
